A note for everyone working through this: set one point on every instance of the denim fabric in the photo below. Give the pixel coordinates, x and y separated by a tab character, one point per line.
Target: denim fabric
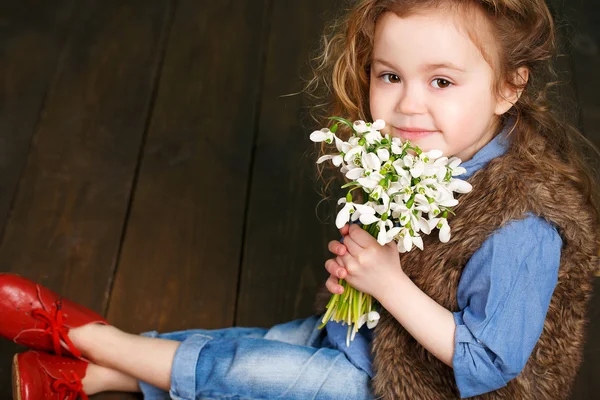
287	361
503	303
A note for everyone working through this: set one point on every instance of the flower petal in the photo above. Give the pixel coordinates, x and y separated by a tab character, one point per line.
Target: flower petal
343	216
378	125
418	169
460	186
361	320
445	232
433	154
407	241
355	173
360	126
324	158
454	162
418	241
372	161
383	154
337	160
321	135
368	219
373	319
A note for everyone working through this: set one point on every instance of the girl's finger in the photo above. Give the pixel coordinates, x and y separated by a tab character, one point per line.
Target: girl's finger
344	230
360	236
334	268
336	248
333	286
352	246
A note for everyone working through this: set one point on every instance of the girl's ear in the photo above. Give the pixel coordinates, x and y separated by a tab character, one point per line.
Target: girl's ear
510	92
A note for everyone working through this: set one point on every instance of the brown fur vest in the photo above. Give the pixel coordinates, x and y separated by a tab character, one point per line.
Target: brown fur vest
507	188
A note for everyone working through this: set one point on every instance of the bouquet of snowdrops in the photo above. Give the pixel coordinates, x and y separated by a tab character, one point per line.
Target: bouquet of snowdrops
406	192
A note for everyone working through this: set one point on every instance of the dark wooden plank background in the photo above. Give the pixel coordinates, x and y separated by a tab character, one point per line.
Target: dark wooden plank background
154	169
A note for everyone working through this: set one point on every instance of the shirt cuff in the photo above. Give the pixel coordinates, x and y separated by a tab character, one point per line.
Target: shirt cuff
474	371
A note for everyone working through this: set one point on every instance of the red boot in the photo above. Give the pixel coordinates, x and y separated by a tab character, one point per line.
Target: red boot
38	375
38	318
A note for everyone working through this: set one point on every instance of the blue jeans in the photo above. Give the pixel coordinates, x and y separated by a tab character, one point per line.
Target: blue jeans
286	361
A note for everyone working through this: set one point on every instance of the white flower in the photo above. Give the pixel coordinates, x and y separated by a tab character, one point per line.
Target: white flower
371	318
371	181
343	215
355	173
383	154
424	180
357	150
360	126
323	135
442	225
459	186
387	232
432	154
371	161
336	159
406	241
417	169
396	145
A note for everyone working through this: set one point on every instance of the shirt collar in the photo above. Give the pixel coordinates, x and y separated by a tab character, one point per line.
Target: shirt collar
495	148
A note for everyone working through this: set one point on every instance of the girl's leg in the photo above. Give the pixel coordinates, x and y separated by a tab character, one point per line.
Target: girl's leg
100	379
229	362
139	357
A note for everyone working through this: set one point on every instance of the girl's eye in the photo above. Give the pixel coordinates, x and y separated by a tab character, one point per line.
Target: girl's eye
390	78
440	83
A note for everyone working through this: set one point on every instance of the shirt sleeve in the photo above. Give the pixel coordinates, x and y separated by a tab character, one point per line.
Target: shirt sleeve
503	296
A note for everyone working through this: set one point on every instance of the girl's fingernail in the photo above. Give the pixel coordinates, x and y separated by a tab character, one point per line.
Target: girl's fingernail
339	273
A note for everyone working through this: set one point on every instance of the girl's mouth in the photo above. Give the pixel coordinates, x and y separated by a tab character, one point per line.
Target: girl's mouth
412	133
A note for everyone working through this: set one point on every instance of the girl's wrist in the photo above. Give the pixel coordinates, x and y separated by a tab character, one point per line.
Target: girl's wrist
393	288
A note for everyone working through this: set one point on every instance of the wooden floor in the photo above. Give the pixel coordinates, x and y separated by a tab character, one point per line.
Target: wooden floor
152	169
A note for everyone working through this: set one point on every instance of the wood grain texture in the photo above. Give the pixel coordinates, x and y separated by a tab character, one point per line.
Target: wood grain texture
580	24
67	222
30	45
180	260
285	246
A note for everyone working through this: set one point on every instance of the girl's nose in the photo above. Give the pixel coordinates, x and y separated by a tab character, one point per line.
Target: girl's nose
411	101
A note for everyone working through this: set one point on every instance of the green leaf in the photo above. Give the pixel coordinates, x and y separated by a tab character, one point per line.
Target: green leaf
350	184
342	120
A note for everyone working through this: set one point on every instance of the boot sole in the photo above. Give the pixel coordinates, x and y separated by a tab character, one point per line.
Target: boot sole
16	382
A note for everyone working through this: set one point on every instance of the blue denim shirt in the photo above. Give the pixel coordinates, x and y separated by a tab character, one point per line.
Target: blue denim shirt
503	297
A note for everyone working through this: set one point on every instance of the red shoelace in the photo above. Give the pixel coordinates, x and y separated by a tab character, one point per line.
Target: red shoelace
69	389
56	327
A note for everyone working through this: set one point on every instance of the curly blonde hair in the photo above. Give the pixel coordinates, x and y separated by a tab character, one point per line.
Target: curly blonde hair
525	36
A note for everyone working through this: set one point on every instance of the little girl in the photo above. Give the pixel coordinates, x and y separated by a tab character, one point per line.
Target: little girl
497	312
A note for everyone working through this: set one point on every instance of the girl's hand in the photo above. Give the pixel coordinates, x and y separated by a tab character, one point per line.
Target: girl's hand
362	262
334	266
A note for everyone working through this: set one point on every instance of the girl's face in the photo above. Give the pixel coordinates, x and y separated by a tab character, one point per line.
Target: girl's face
431	84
